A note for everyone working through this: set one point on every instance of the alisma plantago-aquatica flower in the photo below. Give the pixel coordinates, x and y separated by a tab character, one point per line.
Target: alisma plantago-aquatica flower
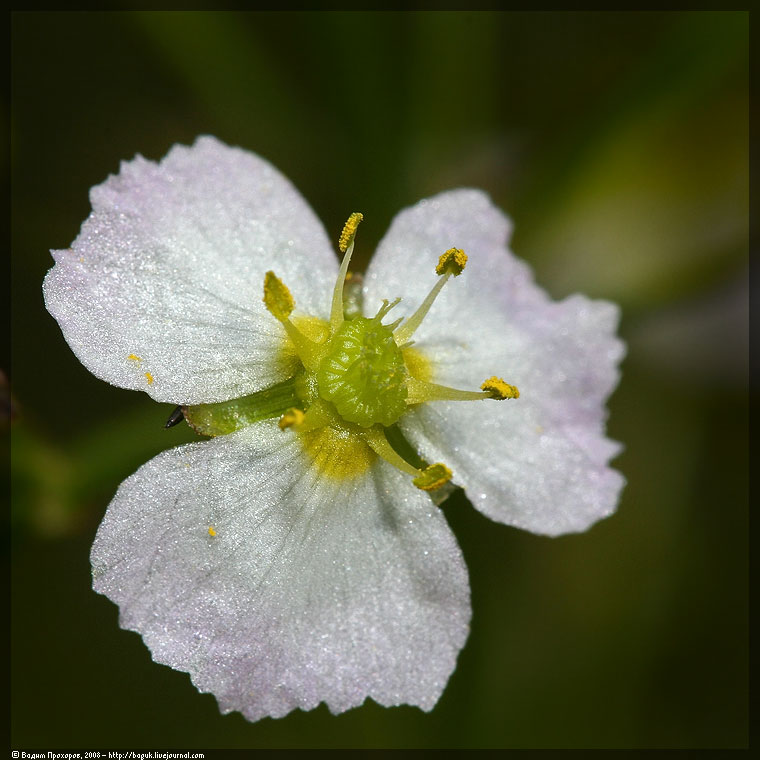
299	554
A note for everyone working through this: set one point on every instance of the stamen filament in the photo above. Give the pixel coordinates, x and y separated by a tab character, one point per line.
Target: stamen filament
419	392
409	327
432	477
352	295
377	441
309	352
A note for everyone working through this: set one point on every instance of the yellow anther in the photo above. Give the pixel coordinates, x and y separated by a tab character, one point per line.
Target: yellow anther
149	378
134	358
211	531
433	477
500	390
349	231
277	297
454	261
291	418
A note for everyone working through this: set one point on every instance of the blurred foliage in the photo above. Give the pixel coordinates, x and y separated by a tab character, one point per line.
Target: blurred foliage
618	142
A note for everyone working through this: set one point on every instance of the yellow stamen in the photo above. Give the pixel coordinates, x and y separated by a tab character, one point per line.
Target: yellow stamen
420	392
433	477
346	245
429	479
349	231
500	390
149	378
211	531
291	418
454	261
134	358
277	297
280	303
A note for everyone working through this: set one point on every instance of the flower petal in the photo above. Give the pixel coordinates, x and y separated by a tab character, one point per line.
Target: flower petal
538	462
276	588
162	289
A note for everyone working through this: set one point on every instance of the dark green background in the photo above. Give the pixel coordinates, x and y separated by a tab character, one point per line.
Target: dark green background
618	143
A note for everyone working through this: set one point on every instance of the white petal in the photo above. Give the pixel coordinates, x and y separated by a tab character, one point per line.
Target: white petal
311	590
548	481
538	462
169	269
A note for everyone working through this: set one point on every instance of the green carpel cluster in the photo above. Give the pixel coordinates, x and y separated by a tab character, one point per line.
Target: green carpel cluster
364	373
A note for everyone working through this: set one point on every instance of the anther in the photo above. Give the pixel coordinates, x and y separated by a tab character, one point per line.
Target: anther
277	297
292	418
498	389
453	260
433	477
349	231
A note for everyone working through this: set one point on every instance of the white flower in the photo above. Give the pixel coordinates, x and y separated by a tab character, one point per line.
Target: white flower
285	567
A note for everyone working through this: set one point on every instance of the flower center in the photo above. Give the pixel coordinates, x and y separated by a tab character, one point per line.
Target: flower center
358	379
363	373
